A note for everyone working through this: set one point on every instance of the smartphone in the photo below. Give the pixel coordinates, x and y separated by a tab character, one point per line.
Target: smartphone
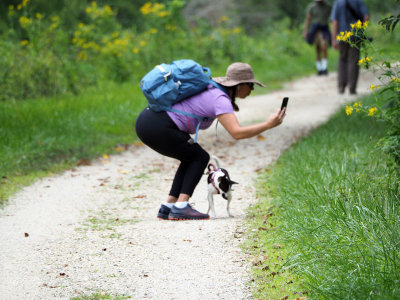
284	102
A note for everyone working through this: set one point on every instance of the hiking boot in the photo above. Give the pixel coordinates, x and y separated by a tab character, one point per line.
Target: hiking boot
163	212
186	213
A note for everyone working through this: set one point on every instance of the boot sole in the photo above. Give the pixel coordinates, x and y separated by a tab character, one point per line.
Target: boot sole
179	218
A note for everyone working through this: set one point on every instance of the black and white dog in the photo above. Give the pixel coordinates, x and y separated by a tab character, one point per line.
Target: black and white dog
218	183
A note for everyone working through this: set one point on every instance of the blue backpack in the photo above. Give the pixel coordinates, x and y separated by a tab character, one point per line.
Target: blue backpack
168	84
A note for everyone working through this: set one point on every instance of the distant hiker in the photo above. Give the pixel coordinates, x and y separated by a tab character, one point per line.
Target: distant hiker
345	13
167	132
317	14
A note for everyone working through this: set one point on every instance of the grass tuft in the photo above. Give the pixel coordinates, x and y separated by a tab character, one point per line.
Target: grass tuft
336	200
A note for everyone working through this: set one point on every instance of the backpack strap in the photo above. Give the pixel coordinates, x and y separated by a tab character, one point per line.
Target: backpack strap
201	119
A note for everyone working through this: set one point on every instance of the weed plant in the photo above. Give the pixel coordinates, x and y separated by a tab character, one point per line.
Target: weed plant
335	201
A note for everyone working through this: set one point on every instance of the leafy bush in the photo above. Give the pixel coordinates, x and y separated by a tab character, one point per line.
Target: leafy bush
43	56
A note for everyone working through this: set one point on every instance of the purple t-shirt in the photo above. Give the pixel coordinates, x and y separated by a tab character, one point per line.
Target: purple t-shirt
210	103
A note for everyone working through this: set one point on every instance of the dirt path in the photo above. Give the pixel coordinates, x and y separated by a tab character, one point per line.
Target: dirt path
93	229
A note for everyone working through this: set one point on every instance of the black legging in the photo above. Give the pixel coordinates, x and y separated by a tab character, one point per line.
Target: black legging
159	132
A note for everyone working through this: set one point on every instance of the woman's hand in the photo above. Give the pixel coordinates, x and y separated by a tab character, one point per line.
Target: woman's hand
277	118
231	124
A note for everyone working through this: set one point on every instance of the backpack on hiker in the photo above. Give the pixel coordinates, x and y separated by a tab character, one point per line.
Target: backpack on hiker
167	84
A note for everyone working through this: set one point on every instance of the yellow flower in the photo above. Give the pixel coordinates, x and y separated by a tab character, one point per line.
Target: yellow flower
24	21
39	16
135	50
24	42
357	104
143	43
344	36
372	87
163	14
115	35
396	80
146	8
236	30
365	24
372	111
365	59
349	110
24	2
223	19
19	7
357	25
11	10
153	30
108	10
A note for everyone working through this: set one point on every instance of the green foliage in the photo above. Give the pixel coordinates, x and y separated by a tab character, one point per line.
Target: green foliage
45	55
337	212
48	135
386	106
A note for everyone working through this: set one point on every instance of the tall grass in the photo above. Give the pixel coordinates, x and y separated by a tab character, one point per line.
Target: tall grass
338	214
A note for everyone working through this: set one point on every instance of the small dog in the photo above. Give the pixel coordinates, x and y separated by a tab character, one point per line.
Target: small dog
218	183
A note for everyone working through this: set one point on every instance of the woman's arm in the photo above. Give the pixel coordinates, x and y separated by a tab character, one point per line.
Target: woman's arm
231	124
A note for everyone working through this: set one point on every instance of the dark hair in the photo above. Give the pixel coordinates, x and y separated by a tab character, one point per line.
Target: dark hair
232	94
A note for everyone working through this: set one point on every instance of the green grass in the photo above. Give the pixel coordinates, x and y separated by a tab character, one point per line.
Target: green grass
48	135
101	296
336	214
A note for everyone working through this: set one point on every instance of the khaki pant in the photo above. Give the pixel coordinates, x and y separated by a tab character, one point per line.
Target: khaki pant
348	67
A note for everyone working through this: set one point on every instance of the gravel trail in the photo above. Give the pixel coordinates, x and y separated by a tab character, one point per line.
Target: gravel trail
94	229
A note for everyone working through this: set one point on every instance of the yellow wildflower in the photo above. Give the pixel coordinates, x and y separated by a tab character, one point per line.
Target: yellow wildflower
135	50
163	14
94	4
372	86
39	16
19	7
153	30
89	10
24	21
344	36
115	35
349	110
24	42
11	10
357	104
396	80
108	10
365	24
223	19
357	25
372	111
365	59
236	30
146	8
143	43
24	2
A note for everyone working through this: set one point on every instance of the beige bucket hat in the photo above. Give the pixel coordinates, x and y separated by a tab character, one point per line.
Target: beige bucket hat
236	73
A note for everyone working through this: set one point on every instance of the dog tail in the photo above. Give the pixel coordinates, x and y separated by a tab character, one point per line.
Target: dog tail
216	161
